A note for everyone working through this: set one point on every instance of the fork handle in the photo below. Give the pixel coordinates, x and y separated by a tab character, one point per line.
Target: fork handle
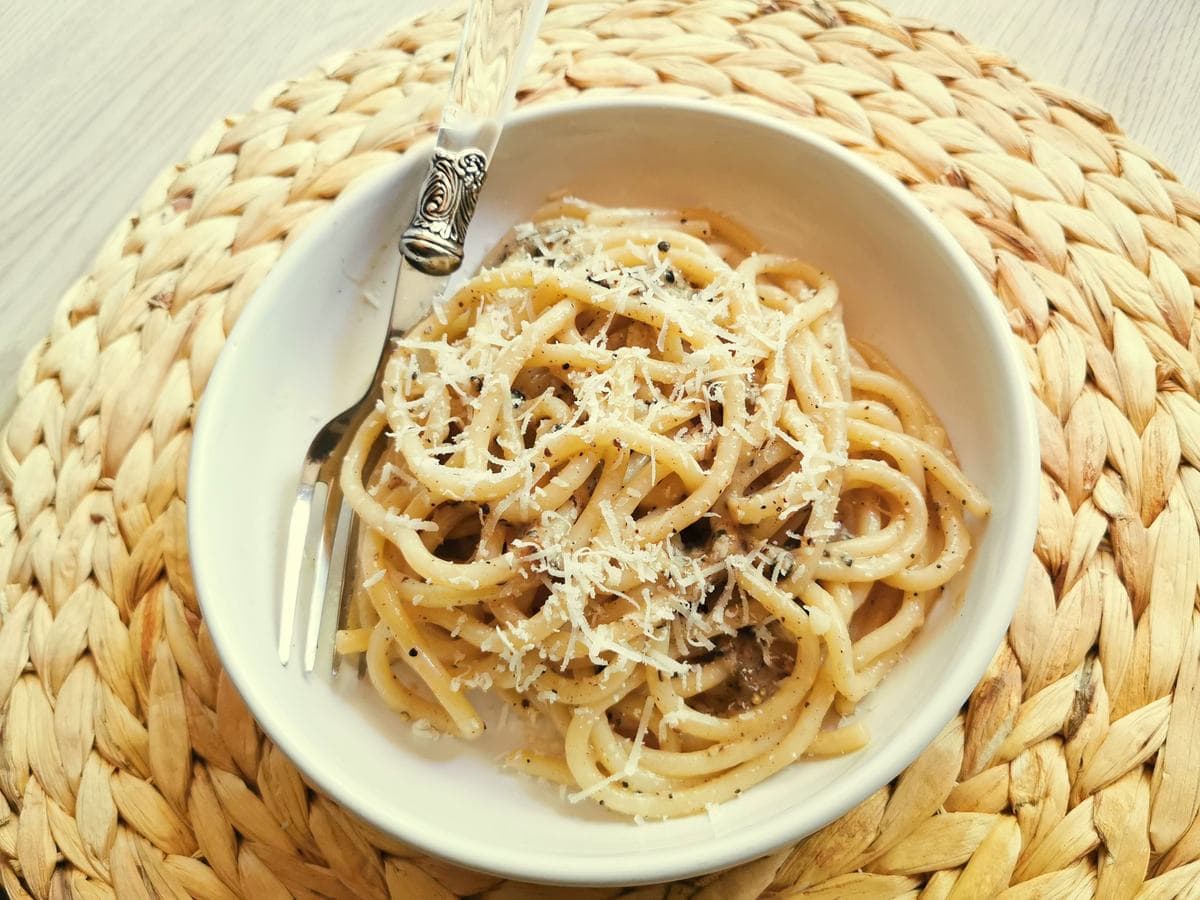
496	39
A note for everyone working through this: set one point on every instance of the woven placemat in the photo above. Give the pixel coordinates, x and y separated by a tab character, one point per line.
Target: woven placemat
130	768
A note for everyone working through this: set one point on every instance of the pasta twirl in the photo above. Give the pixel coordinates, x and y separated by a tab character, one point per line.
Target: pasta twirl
634	479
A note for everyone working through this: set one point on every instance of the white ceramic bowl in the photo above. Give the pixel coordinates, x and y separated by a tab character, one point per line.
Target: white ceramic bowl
301	351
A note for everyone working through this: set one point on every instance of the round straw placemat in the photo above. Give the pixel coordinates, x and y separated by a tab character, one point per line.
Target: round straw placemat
130	768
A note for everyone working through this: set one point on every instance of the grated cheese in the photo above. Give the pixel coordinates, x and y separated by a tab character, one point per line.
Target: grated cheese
396	520
423	729
617	385
595	787
636	753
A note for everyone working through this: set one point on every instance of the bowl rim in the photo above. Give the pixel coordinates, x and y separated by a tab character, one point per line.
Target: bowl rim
746	843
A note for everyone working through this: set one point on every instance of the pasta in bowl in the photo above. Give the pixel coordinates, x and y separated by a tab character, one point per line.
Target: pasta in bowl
721	397
636	481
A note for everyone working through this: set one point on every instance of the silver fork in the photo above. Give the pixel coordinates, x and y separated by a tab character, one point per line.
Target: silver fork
495	42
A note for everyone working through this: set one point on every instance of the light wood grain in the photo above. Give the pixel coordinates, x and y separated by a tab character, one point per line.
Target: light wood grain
1137	58
98	97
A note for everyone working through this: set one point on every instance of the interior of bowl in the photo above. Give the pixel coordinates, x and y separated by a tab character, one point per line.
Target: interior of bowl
308	340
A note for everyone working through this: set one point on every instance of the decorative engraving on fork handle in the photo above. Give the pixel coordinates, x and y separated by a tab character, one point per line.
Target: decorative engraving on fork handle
433	241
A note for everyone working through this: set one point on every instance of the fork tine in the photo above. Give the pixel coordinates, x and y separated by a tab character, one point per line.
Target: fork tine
293	563
322	545
296	561
336	591
323	619
347	580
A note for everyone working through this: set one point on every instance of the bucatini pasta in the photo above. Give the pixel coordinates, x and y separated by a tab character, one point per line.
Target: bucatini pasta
634	480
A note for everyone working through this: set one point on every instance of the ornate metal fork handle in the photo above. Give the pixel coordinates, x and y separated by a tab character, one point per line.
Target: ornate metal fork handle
434	240
496	39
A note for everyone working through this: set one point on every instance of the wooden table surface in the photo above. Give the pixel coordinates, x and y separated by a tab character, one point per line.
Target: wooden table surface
99	97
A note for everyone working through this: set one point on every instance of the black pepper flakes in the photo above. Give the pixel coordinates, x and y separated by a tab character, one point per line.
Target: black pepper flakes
412	651
669	276
518	397
663	246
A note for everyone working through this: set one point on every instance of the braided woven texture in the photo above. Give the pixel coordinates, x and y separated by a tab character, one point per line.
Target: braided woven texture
130	768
